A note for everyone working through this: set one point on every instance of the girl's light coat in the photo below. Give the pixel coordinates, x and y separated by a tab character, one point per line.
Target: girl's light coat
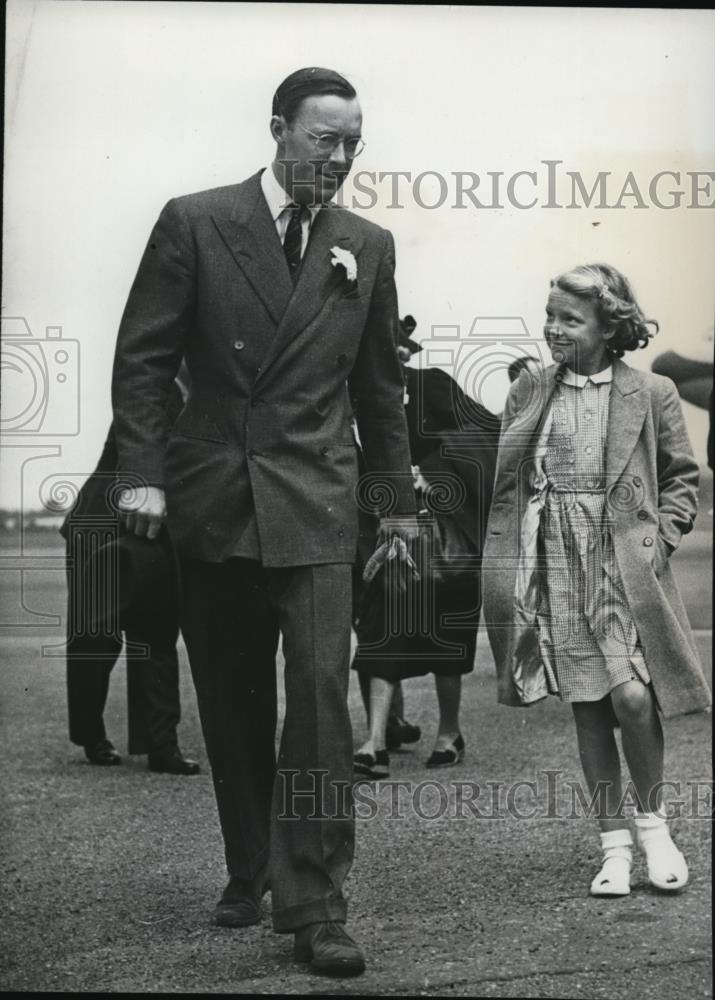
651	480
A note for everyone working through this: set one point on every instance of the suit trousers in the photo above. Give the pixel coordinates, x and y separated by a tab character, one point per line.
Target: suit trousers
154	708
291	818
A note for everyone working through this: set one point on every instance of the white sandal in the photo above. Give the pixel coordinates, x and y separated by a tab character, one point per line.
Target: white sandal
614	878
667	868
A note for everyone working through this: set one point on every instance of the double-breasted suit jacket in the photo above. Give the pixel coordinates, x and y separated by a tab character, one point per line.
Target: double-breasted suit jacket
261	461
651	483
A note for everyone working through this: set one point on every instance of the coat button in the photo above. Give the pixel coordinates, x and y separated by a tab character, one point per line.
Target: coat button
648	541
636	481
341	533
342	358
642	515
324	450
251	453
238	345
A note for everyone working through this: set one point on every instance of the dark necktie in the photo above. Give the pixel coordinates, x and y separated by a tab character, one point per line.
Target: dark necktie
293	239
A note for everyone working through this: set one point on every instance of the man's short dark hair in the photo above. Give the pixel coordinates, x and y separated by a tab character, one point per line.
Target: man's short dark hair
308	82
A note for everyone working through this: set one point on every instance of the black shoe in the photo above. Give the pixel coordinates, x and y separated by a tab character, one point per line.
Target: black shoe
453	754
172	762
372	766
240	904
329	949
103	753
398	732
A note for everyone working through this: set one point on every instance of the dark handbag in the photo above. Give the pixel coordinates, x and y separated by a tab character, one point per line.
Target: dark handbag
447	554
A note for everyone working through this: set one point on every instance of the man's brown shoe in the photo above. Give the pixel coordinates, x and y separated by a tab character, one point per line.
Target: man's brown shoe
329	949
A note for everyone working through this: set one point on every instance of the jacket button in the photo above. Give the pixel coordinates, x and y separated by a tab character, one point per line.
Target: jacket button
342	358
238	345
647	541
636	481
251	453
642	515
341	533
324	450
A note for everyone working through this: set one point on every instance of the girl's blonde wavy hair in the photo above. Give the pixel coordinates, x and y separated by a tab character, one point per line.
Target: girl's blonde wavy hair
616	304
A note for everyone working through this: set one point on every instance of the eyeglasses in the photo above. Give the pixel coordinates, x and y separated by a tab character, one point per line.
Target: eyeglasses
327	142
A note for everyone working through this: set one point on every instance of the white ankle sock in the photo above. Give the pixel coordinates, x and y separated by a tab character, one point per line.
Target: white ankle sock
614	877
667	868
650	821
611	839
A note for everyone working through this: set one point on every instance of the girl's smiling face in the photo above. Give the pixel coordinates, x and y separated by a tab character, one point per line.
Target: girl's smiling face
575	334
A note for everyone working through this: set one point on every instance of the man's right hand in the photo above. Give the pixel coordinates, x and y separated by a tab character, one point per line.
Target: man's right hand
143	510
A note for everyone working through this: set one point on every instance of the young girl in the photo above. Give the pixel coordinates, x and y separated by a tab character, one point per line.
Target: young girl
597	482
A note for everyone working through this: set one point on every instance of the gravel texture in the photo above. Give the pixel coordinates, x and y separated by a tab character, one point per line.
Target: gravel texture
110	875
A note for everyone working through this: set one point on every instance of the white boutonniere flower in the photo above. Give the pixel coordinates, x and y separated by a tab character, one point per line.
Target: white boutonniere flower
343	258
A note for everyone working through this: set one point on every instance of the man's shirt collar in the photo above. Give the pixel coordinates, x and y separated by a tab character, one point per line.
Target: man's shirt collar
277	198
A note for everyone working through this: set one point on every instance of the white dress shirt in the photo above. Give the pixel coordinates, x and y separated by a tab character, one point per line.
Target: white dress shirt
279	205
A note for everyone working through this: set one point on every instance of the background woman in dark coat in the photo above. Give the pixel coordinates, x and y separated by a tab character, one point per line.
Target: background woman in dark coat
431	625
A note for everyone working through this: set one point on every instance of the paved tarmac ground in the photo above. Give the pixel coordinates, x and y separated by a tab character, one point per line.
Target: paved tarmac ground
109	875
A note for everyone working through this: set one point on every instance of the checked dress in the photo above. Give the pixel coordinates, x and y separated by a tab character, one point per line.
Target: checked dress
587	637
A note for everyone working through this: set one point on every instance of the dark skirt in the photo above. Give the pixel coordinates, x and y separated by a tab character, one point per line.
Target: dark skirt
430	628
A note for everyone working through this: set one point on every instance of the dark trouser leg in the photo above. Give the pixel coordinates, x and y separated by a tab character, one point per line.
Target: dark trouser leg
231	634
91	654
310	858
89	663
152	688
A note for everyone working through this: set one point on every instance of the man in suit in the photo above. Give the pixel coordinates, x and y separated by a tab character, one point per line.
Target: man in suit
118	583
285	310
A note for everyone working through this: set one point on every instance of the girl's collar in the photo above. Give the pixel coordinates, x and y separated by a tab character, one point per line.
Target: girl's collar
569	377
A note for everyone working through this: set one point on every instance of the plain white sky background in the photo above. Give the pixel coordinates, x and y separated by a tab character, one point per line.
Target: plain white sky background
112	108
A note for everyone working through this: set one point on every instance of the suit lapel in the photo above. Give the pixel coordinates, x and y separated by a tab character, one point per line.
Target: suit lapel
317	280
250	234
626	413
